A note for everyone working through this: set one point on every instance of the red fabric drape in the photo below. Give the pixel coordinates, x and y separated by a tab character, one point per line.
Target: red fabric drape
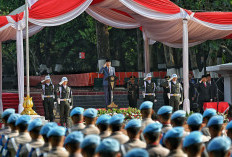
96	1
223	18
163	6
17	17
44	9
3	21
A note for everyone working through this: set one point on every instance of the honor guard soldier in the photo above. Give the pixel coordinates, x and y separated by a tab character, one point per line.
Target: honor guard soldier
16	144
173	141
48	97
56	138
208	113
166	91
108	147
146	111
137	152
116	124
90	116
72	143
65	101
103	125
175	92
193	144
219	147
150	89
152	134
89	145
14	132
38	152
36	142
133	131
133	92
77	119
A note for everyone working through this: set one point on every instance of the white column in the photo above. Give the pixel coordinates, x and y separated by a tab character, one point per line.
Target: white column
146	54
27	49
1	105
20	68
186	104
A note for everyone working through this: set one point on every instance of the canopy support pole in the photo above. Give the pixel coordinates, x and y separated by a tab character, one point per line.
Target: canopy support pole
27	50
146	54
186	103
1	105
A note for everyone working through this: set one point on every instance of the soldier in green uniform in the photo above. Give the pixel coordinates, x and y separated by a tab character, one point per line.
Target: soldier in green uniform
65	101
175	92
48	96
150	89
133	92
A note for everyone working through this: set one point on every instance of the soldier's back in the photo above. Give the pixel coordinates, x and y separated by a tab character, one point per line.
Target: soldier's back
90	129
166	127
104	134
118	135
157	151
77	127
136	143
205	131
58	152
41	150
177	153
146	122
26	149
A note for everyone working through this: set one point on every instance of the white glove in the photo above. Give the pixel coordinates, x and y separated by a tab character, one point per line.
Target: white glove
180	103
155	101
42	97
70	107
143	94
69	100
58	100
211	100
170	79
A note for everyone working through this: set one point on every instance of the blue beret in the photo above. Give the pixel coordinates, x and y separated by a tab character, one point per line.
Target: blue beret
175	132
8	112
209	113
91	139
74	137
24	119
117	119
57	131
146	105
108	145
153	127
133	123
90	112
229	125
47	127
137	152
177	114
13	118
195	119
219	144
34	123
164	110
193	138
77	110
103	119
215	120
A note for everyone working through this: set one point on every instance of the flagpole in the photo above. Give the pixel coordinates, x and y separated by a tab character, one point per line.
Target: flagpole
27	50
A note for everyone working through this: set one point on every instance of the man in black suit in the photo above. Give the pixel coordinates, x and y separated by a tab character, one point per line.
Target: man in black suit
213	87
203	89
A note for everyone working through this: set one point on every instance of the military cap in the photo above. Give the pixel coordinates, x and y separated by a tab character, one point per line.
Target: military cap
219	144
215	120
194	137
74	137
90	112
103	119
90	139
133	123
137	152
209	113
24	119
164	110
47	127
47	77
174	75
153	127
64	79
108	60
195	119
8	112
13	118
77	110
34	123
57	131
177	114
108	145
175	132
146	105
117	119
148	76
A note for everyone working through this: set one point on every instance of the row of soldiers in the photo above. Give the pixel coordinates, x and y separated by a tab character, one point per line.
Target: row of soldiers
106	136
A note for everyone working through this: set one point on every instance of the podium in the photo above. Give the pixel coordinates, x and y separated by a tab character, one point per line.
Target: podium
111	82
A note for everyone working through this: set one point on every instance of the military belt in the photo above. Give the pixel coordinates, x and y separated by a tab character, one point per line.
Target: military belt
48	96
65	99
175	95
150	94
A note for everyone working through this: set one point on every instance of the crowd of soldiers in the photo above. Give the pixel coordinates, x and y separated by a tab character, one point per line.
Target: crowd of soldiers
171	134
